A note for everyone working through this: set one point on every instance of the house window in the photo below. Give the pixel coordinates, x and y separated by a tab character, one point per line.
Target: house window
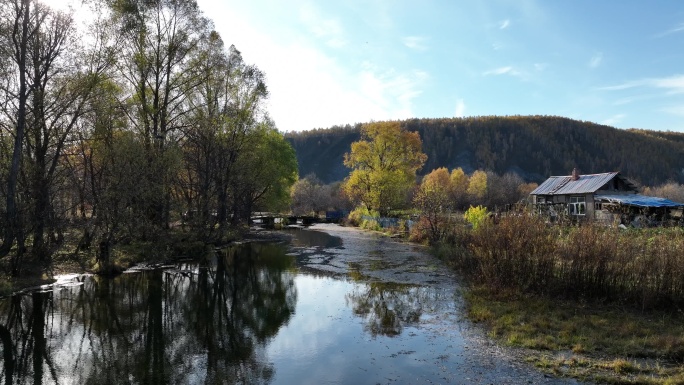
598	206
577	206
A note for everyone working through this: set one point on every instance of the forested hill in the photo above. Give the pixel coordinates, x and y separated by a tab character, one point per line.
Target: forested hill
535	147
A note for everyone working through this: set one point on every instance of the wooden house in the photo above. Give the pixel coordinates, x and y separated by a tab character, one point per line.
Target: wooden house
607	197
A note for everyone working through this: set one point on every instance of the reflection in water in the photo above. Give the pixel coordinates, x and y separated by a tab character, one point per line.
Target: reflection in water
388	307
305	238
198	324
223	322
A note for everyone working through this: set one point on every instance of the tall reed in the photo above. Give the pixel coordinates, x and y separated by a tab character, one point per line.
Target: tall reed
522	253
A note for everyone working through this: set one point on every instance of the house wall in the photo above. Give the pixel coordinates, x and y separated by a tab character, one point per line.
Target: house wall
606	217
589	199
564	199
616	186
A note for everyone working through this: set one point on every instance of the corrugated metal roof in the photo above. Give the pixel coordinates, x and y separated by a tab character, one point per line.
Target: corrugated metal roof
562	185
638	200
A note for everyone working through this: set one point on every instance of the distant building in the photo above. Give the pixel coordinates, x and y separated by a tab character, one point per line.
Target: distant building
607	197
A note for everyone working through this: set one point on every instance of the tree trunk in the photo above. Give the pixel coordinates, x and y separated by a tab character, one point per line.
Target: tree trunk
20	49
41	200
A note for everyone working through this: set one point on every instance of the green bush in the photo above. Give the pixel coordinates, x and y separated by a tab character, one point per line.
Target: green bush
356	217
476	216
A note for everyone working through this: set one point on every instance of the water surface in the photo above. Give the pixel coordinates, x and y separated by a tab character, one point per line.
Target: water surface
344	308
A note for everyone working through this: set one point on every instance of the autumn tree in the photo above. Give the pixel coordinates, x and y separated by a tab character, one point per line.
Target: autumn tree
243	128
459	187
309	195
526	188
264	175
384	165
670	190
226	125
17	28
504	189
477	187
161	39
208	153
433	198
48	85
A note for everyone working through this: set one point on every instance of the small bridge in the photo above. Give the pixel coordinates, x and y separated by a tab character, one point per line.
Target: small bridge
269	220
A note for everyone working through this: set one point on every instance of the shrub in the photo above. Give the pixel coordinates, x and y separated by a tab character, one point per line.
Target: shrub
419	232
516	253
362	217
520	253
356	216
476	216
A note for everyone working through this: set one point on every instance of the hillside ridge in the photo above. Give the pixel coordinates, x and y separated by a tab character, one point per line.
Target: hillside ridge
534	147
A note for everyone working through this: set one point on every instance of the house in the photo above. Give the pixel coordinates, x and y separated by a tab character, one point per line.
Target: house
607	197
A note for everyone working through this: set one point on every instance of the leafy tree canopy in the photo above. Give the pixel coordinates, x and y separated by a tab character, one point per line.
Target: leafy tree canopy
384	165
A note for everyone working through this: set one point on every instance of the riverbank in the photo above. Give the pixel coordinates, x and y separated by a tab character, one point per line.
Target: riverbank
591	341
512	333
586	301
68	259
369	256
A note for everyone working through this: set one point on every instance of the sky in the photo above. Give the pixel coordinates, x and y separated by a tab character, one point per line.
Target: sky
619	63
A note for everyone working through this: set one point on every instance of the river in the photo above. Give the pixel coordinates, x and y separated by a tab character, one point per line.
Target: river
331	306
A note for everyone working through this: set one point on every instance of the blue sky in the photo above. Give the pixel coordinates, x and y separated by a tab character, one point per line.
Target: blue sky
619	63
332	62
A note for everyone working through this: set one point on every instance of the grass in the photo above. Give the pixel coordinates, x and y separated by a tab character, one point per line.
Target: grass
595	342
588	302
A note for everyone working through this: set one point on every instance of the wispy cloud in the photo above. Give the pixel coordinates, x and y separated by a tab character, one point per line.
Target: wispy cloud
540	66
675	110
391	91
498	71
460	108
675	29
613	120
624	86
623	101
634	98
328	29
416	42
596	60
504	24
675	84
508	70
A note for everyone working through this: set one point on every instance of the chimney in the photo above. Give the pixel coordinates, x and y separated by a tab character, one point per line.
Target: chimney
575	174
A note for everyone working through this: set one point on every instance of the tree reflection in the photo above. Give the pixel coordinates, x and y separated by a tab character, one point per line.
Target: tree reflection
388	307
197	324
242	301
24	330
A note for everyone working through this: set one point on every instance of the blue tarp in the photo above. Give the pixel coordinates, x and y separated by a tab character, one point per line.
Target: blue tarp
386	222
638	200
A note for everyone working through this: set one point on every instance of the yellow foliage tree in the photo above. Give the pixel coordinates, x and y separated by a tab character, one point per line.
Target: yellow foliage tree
433	199
433	193
384	164
477	186
459	188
